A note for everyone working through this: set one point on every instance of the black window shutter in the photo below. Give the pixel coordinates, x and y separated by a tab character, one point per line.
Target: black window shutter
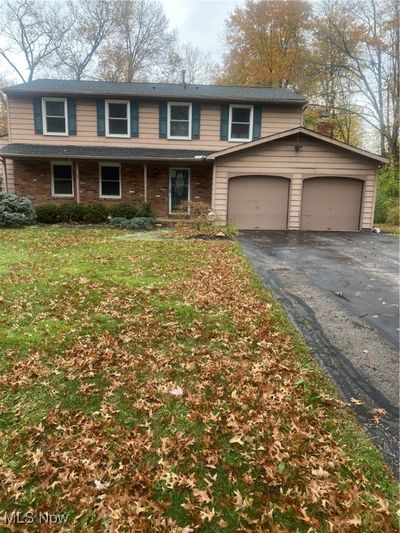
195	121
71	104
37	115
134	119
101	117
257	122
224	122
163	120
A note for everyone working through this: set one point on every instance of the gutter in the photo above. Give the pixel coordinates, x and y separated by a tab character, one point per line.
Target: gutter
102	157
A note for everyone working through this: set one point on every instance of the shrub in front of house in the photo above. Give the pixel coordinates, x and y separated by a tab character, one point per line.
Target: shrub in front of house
48	214
15	211
132	223
96	214
123	211
72	212
145	210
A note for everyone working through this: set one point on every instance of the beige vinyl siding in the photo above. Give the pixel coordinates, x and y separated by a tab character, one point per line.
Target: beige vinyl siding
274	119
279	158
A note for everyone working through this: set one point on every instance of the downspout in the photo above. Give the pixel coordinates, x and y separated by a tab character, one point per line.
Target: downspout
145	182
3	160
77	183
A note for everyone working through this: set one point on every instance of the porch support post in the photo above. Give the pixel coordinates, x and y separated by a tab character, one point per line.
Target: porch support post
3	160
77	183
145	182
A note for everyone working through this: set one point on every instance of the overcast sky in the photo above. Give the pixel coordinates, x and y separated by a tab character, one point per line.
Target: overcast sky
201	21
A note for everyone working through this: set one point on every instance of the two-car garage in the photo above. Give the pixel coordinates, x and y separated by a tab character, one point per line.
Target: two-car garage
327	203
296	180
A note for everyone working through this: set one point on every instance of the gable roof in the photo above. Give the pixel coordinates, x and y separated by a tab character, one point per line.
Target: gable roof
294	131
39	151
157	90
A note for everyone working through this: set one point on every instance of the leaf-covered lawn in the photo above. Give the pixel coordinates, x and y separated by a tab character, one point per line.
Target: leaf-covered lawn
152	385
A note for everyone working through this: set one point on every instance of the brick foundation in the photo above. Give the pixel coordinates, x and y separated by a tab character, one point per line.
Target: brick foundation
33	179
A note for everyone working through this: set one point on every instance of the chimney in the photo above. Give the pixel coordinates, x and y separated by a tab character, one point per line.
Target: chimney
325	128
184	78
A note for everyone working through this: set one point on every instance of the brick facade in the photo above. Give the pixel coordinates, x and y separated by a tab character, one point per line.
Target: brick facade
33	179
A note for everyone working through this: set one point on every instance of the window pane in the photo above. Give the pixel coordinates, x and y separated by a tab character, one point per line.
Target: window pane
240	114
62	172
110	173
118	127
117	110
110	188
179	112
240	131
55	108
179	129
56	125
62	186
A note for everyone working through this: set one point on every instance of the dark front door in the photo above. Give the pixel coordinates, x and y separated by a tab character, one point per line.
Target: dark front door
178	188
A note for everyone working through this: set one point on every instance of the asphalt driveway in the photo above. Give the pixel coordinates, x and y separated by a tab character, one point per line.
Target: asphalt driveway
341	291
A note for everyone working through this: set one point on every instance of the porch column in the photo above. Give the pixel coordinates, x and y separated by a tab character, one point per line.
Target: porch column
77	183
145	182
213	189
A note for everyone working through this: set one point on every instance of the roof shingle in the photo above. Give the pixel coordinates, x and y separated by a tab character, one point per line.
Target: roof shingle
100	152
157	91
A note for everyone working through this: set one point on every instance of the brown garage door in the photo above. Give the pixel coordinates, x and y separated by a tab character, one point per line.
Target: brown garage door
330	204
258	202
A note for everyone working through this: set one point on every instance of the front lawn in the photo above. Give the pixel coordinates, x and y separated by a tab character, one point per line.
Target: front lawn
153	385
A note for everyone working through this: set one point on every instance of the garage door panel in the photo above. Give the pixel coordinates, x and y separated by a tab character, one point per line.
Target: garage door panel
330	204
258	202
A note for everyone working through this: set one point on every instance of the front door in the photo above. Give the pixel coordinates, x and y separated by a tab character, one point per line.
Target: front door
178	189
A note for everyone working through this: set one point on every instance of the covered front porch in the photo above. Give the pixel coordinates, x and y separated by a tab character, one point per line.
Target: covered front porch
165	179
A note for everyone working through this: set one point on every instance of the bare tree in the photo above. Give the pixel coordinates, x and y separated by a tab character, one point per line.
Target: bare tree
31	31
141	38
3	106
90	23
367	33
198	65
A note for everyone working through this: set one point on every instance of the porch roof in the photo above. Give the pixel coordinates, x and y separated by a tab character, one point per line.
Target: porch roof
44	151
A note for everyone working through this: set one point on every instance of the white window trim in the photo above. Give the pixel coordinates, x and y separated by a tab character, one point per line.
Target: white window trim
235	106
170	212
128	118
108	196
67	164
183	138
44	116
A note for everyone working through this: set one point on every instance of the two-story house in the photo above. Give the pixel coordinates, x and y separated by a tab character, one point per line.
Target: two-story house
242	150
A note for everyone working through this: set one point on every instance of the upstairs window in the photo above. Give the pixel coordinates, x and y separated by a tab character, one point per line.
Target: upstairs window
110	180
62	181
179	120
117	118
55	121
240	122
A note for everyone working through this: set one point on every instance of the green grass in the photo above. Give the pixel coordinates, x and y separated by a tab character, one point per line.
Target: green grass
156	384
